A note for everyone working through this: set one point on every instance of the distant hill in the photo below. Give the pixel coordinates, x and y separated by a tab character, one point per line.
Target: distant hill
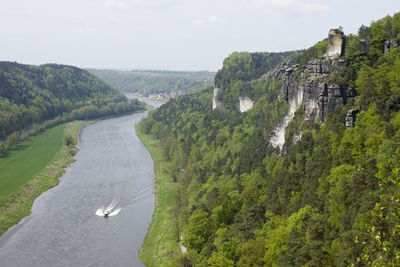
148	82
31	95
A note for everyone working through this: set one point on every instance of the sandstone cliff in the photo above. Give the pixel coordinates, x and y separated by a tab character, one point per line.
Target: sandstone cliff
312	90
308	87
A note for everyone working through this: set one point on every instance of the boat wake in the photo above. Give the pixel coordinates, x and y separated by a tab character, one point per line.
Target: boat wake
110	210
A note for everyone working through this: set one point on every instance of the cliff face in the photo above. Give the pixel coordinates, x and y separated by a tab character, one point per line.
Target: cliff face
307	87
245	103
313	91
319	95
217	104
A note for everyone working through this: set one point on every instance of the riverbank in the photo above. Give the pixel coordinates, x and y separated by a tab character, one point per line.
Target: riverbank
160	243
16	201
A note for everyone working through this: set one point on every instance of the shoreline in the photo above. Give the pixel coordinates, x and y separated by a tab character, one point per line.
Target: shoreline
161	242
18	205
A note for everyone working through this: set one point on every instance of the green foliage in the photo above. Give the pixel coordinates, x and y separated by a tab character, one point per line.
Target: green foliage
339	180
276	230
34	98
149	82
197	230
240	71
330	199
382	246
317	50
159	245
69	140
22	163
251	253
32	168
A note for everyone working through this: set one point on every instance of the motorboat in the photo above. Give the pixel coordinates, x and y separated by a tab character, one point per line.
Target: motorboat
110	210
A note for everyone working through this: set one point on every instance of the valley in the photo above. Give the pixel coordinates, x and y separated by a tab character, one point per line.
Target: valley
285	158
111	164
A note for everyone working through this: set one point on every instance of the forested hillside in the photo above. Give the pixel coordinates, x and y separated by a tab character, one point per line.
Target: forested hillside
330	198
35	97
148	82
242	71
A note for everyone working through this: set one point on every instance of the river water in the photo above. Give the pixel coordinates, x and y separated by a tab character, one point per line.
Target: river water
63	229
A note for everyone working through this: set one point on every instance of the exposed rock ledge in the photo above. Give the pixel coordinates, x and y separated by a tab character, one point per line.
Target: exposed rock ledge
245	103
313	92
217	104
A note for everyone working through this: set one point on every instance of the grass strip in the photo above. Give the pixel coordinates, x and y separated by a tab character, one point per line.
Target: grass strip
161	241
32	168
26	160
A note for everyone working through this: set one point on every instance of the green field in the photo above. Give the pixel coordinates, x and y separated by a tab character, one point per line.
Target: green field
26	160
161	241
32	168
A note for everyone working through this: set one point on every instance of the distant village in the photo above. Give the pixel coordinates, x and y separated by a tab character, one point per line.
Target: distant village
166	95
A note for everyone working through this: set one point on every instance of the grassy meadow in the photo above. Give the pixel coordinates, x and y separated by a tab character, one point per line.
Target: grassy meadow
161	241
32	168
22	163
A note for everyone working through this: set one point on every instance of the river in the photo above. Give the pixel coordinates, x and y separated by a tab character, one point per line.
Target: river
63	230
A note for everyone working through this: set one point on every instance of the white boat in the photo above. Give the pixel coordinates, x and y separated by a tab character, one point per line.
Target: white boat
110	210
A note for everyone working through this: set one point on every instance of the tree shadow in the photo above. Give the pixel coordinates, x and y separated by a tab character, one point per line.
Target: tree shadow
17	148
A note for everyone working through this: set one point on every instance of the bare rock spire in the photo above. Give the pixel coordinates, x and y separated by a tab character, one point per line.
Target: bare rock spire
336	43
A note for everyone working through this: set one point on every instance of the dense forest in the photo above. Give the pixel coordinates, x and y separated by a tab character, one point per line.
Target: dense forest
331	199
148	82
33	98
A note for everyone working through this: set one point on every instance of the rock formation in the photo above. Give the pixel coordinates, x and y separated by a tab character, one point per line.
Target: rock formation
308	88
351	117
313	92
217	104
365	46
389	44
336	43
245	103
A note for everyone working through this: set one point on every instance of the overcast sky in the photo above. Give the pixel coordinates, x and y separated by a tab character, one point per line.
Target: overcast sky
171	34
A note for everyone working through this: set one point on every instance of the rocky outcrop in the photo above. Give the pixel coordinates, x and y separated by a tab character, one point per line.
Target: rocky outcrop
336	43
322	98
319	95
351	117
389	44
217	104
277	137
245	103
365	47
285	66
309	88
313	91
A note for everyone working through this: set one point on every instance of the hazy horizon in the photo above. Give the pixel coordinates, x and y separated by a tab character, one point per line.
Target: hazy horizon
173	35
